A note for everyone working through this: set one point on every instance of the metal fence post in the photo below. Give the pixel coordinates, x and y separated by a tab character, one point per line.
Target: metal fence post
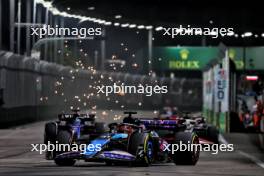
11	24
0	24
28	20
18	26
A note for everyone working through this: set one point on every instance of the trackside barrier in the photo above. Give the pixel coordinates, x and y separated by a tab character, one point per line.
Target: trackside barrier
33	90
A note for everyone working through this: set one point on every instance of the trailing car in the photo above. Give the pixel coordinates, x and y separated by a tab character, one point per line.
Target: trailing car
207	133
79	128
173	132
135	141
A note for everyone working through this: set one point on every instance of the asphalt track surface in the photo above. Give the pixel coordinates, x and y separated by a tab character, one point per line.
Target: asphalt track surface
16	158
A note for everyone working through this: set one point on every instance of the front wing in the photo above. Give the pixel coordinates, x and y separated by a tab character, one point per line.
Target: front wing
114	155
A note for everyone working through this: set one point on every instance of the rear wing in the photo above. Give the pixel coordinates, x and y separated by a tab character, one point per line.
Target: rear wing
85	117
160	124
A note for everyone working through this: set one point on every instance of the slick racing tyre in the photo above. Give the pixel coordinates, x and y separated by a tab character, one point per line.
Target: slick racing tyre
50	134
64	137
187	157
212	134
141	145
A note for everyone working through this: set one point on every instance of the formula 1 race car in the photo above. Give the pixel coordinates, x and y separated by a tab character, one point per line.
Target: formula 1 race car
136	143
207	133
80	128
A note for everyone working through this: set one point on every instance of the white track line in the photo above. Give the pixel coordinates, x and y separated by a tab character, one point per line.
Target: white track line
251	157
222	140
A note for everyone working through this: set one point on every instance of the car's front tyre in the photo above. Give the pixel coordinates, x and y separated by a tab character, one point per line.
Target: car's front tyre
141	145
65	162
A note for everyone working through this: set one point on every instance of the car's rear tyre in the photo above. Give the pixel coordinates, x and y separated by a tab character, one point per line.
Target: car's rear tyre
187	157
50	134
64	137
141	145
212	134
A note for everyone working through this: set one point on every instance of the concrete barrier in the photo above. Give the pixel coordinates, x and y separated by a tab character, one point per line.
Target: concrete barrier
29	87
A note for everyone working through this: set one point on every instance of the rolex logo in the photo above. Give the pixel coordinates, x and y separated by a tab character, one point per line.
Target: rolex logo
184	54
231	53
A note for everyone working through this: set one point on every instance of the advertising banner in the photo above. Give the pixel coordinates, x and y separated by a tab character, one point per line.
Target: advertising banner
221	73
183	58
196	58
